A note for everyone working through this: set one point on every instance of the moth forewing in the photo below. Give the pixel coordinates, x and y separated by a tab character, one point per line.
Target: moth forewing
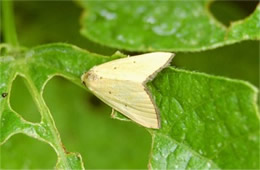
121	84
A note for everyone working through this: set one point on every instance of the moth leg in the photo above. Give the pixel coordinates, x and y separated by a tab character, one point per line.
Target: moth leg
117	115
113	113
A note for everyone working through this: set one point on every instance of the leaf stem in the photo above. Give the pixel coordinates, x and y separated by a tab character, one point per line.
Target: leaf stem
8	23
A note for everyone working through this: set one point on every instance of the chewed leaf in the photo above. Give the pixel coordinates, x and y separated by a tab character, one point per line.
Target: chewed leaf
187	27
37	66
206	121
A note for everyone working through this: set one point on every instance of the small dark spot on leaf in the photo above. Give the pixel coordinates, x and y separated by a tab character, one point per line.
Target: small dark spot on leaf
114	68
101	77
134	62
84	83
125	105
4	95
109	92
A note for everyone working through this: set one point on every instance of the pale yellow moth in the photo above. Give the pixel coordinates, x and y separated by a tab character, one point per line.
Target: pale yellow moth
121	84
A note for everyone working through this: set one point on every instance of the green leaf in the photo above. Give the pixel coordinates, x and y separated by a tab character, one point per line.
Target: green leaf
162	25
207	122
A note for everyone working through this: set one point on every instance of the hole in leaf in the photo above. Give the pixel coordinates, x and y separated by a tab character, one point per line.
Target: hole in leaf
23	152
22	102
230	11
103	142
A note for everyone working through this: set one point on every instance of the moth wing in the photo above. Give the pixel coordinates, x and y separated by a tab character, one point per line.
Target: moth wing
121	84
129	98
137	68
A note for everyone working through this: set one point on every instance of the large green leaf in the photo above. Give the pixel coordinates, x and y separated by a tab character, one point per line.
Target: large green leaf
162	25
206	121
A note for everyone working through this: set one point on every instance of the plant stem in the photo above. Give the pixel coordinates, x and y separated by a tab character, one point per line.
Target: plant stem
8	23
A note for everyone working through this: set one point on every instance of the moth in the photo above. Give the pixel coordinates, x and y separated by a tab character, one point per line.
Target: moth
121	84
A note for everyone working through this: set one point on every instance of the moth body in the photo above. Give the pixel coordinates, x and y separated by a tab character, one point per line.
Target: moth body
121	84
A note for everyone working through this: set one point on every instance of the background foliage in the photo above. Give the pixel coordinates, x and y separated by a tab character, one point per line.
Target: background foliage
82	120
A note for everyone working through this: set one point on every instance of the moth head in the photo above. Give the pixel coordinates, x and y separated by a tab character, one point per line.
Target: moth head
89	77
